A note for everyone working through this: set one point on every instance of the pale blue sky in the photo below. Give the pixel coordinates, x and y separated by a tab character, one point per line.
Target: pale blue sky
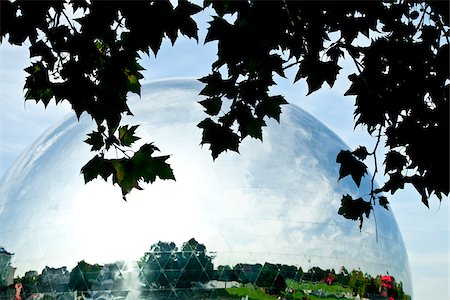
425	231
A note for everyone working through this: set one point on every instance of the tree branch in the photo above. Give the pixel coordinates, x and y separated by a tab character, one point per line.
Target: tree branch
68	21
372	193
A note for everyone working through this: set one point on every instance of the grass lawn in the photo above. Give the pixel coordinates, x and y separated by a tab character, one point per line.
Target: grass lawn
334	289
331	289
256	293
251	291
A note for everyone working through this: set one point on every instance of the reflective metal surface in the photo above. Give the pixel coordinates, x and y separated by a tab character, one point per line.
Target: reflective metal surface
222	225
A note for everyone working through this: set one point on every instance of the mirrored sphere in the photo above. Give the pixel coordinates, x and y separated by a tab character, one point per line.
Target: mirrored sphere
262	222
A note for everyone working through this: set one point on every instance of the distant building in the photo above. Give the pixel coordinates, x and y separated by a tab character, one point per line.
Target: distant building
3	251
6	271
54	280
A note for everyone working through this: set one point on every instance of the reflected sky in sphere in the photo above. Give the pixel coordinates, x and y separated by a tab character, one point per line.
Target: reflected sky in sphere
274	202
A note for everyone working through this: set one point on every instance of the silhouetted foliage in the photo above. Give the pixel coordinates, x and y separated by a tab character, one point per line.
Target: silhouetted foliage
343	276
161	267
166	267
290	272
197	264
225	273
401	85
270	279
29	282
247	273
84	276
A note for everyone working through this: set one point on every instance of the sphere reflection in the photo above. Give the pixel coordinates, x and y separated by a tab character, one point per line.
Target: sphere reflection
266	218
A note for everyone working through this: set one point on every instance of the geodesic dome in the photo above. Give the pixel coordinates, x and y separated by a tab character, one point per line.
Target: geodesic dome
264	218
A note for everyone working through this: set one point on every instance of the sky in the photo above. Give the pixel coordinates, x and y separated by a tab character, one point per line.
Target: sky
425	231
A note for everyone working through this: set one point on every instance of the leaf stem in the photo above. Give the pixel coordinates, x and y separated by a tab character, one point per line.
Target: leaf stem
375	171
68	21
289	13
374	153
117	147
420	24
357	64
291	64
119	24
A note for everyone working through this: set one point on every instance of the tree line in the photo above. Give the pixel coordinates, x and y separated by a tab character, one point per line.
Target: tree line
168	271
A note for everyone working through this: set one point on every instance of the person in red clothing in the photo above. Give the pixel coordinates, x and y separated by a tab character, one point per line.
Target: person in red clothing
387	286
18	288
330	279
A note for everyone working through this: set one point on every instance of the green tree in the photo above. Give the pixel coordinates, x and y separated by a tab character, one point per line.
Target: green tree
161	267
29	283
343	276
271	280
225	273
401	85
167	267
316	274
197	264
290	272
398	290
358	283
247	273
84	276
53	280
